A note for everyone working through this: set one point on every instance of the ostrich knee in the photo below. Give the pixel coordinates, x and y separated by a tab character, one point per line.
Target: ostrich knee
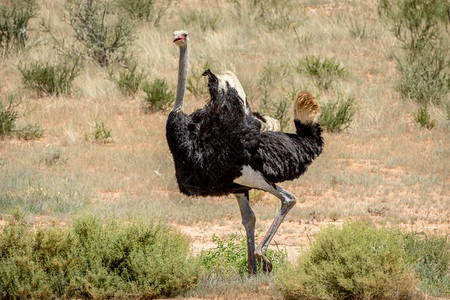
288	202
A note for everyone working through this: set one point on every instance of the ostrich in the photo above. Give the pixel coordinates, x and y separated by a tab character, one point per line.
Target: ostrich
220	150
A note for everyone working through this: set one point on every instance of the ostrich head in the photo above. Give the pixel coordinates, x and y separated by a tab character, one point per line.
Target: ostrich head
180	38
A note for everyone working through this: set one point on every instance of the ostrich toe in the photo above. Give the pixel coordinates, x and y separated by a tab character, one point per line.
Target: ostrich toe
264	262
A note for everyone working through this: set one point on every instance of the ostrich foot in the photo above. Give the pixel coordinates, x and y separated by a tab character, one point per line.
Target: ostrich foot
264	262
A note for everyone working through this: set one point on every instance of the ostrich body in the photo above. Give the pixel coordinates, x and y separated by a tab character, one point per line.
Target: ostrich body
220	149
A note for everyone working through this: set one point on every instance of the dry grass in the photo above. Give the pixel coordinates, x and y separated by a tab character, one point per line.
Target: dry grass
383	166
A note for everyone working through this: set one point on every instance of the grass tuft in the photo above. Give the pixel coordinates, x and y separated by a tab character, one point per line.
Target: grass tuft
423	117
101	134
158	95
130	80
324	70
50	79
337	115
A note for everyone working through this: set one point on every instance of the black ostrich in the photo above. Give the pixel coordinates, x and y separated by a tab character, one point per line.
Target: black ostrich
221	150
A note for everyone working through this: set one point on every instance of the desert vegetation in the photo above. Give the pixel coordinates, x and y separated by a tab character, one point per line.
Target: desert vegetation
85	90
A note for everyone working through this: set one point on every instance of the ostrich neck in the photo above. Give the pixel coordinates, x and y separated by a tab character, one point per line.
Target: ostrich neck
182	78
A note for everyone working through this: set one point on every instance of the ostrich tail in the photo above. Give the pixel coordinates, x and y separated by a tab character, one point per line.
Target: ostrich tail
306	108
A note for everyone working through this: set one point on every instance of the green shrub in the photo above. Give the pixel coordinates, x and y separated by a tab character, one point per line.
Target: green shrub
101	134
8	115
430	256
130	80
423	76
337	115
51	79
230	256
424	63
94	259
158	95
423	117
358	261
323	70
14	18
105	35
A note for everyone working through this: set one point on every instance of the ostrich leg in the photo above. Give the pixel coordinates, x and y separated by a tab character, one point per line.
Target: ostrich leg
287	202
254	179
248	220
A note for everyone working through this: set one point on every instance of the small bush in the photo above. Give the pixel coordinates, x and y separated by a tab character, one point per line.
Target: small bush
424	63
337	115
423	76
355	262
423	117
101	134
230	256
323	70
92	259
14	18
105	35
50	79
8	115
158	95
130	80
